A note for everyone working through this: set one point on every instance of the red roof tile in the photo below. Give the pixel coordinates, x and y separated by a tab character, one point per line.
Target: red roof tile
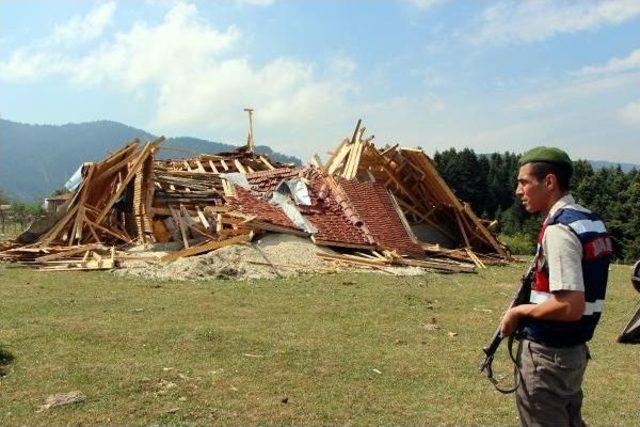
336	222
249	204
374	206
264	182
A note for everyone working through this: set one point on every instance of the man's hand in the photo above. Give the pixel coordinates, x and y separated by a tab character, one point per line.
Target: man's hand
563	306
510	321
512	318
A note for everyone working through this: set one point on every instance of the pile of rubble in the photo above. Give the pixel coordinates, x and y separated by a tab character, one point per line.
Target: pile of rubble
373	208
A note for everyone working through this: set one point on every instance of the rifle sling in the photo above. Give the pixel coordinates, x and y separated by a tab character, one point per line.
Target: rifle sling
516	364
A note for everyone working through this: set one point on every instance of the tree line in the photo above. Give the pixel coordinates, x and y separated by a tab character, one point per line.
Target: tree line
488	182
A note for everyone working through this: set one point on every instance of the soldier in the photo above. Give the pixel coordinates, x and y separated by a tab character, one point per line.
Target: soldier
567	296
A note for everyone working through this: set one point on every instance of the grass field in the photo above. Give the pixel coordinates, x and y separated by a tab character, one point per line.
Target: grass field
335	349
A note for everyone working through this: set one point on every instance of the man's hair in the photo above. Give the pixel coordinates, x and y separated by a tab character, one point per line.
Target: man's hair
563	174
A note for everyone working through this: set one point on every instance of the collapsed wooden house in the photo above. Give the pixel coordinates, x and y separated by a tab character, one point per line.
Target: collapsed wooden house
378	206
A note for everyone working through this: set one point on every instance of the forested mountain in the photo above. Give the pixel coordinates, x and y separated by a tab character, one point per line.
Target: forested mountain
38	159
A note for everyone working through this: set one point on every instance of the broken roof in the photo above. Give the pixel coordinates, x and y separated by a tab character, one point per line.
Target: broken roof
364	198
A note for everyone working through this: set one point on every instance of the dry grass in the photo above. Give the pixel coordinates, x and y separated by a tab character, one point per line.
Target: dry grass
339	349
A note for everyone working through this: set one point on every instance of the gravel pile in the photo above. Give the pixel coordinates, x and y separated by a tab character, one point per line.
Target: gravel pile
275	255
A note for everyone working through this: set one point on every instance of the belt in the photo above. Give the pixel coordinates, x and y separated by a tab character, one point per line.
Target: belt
547	344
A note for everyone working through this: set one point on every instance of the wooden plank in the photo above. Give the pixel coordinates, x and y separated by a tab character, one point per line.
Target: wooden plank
212	210
477	261
356	154
93	233
362	254
60	255
213	167
78	220
207	247
339	257
239	166
267	226
320	242
486	233
111	232
192	224
85	258
50	235
218	223
183	231
337	156
339	163
146	151
266	163
462	231
203	219
115	168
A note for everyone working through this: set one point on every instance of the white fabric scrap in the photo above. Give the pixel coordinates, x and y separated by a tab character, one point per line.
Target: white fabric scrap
299	191
75	180
237	178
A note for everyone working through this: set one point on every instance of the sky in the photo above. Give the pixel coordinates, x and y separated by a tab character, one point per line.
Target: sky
488	75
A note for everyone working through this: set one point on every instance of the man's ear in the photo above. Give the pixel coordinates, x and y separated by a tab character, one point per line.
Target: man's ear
551	182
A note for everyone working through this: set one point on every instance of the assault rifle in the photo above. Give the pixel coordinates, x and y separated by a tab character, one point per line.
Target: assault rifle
522	296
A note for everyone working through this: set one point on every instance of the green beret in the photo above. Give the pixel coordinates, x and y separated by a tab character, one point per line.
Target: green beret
547	154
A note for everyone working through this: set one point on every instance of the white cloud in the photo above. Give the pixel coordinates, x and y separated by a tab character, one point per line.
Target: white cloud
590	81
256	2
630	114
180	46
46	56
342	66
614	65
531	21
568	90
24	66
199	81
85	28
424	4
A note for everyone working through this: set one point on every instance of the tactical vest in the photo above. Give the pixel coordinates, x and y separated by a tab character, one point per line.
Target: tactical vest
596	254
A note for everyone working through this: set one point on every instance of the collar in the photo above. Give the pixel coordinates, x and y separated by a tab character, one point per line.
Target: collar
564	201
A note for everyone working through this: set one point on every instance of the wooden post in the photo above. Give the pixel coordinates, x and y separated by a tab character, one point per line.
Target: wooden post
250	145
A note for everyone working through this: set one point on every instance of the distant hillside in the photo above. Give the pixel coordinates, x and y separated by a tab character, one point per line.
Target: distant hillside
600	164
186	146
38	159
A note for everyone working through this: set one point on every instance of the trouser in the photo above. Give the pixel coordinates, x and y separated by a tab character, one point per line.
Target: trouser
550	392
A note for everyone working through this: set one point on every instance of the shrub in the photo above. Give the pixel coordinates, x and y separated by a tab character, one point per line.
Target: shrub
519	243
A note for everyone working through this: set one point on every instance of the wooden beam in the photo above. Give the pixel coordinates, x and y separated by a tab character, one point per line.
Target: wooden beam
239	166
181	226
146	151
207	247
266	162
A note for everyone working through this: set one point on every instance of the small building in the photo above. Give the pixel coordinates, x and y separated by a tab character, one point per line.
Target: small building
54	203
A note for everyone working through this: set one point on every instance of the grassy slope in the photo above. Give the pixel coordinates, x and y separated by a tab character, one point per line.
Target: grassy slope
318	338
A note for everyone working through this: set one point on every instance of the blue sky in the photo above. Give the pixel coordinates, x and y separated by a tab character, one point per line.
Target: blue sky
490	75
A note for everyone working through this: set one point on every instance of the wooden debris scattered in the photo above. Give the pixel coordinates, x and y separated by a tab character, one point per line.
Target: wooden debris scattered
131	198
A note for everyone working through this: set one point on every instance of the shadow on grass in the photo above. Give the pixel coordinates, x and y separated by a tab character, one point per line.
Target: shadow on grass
6	359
